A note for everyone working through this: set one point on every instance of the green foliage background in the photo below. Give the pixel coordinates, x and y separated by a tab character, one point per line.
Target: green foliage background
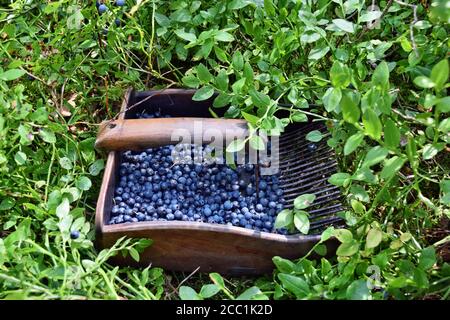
382	89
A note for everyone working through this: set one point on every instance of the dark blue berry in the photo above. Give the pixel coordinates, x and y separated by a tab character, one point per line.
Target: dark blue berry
74	234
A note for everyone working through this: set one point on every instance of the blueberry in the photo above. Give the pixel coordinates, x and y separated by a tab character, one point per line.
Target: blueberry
74	234
259	207
178	215
207	211
227	205
102	8
312	147
170	216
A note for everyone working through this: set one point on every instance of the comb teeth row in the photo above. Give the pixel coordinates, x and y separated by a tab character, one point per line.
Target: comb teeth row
305	168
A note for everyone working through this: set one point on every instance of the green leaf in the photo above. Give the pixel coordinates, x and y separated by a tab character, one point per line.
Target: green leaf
301	221
191	37
374	156
47	135
340	75
203	93
344	25
318	52
420	278
257	143
343	235
439	74
350	111
391	134
338	179
7	203
429	151
187	293
372	124
380	76
63	209
353	142
191	81
222	100
284	218
259	99
223	36
347	249
358	290
391	167
237	61
269	7
427	258
238	86
299	116
134	254
304	201
424	82
251	294
83	183
373	238
444	125
296	285
370	16
314	136
221	80
65	163
284	265
250	118
332	98
12	74
203	73
236	145
96	167
444	104
327	234
238	4
209	290
20	158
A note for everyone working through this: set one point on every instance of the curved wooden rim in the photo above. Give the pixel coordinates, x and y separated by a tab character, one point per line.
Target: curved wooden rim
204	226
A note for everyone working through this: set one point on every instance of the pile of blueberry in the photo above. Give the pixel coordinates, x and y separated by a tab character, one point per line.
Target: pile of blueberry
187	183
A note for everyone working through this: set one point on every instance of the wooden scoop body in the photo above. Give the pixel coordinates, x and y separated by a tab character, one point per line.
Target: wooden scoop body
138	134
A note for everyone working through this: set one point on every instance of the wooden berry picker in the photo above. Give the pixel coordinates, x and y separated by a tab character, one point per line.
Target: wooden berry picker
229	210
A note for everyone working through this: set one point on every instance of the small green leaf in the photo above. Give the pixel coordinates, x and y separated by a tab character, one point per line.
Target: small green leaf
223	36
134	254
63	209
65	163
237	61
236	145
252	293
439	74
12	74
257	143
203	93
20	158
391	167
332	98
338	179
187	293
238	86
353	142
203	73
327	234
350	111
296	285
344	25
391	134
221	80
209	290
380	76
429	151
222	100
318	52
47	135
343	235
299	116
250	118
314	136
374	156
259	99
284	265
83	183
347	249
373	238
301	221
284	218
424	82
7	204
358	290
340	75
304	201
96	167
372	124
427	258
191	37
191	81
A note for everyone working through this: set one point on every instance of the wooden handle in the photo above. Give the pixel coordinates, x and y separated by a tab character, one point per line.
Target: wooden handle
138	134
